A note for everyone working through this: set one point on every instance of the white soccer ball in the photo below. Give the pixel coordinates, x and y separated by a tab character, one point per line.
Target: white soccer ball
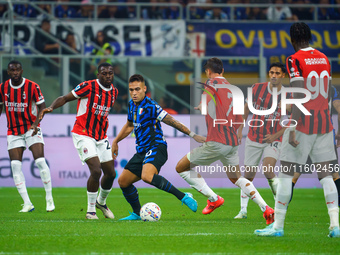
150	212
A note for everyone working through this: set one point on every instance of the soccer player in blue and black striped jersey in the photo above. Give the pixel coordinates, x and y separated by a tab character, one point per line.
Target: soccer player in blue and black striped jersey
144	119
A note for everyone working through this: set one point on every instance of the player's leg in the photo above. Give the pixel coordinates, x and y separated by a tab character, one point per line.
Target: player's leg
45	175
125	181
249	189
154	159
324	153
336	168
268	171
109	174
253	154
196	181
295	179
15	156
16	145
289	154
94	166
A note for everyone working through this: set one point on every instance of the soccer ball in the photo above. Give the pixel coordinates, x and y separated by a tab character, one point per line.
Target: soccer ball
150	212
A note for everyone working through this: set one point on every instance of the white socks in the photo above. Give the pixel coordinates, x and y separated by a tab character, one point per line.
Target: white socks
244	201
103	194
45	176
91	201
198	183
273	185
331	197
19	181
284	192
249	189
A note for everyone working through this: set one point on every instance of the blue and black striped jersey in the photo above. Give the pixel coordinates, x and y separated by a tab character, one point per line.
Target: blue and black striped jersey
146	118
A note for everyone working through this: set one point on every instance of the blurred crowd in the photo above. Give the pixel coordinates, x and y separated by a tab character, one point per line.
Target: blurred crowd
84	9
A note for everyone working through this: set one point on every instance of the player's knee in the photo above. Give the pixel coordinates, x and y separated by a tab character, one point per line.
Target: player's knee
95	174
146	177
122	182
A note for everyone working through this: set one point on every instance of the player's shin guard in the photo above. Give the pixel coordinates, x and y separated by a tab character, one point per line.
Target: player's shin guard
45	176
196	181
249	189
331	196
19	181
131	195
161	183
284	191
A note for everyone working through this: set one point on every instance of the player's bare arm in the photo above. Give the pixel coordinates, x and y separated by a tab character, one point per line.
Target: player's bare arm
60	101
336	105
171	121
296	113
245	117
124	132
34	126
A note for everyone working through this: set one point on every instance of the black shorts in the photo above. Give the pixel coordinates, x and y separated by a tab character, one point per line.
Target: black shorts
156	156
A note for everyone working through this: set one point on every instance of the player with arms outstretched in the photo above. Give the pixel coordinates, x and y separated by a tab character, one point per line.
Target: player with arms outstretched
265	135
144	119
221	144
310	69
95	100
23	101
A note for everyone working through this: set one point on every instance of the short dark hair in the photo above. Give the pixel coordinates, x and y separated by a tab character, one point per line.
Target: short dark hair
45	20
300	33
137	77
214	64
105	64
279	65
14	62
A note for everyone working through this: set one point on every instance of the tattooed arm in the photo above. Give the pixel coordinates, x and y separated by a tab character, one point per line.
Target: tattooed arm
171	121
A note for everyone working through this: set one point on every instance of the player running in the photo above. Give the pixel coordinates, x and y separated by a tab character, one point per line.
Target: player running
144	117
265	135
23	101
310	69
221	144
95	100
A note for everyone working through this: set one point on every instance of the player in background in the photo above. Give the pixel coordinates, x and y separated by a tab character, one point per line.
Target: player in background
95	100
263	140
23	101
144	117
312	135
221	144
335	101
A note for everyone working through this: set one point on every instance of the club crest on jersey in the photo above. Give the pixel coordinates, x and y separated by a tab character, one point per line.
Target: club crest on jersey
24	95
140	111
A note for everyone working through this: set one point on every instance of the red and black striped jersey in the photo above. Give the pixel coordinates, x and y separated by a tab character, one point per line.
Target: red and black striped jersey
312	67
219	110
94	104
20	103
262	125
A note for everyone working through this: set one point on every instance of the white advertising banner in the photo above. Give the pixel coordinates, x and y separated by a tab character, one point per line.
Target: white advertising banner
161	38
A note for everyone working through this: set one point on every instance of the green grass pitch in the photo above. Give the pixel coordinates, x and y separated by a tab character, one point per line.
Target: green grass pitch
180	231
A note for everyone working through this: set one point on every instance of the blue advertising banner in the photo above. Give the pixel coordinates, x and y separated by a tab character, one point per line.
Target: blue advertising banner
240	39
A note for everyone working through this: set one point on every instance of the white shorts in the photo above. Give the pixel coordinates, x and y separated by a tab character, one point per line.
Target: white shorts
17	141
255	150
320	148
88	147
210	152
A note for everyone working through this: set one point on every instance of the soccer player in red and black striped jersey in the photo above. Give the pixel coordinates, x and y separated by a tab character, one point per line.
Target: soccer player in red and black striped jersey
309	69
221	143
265	133
95	100
23	101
